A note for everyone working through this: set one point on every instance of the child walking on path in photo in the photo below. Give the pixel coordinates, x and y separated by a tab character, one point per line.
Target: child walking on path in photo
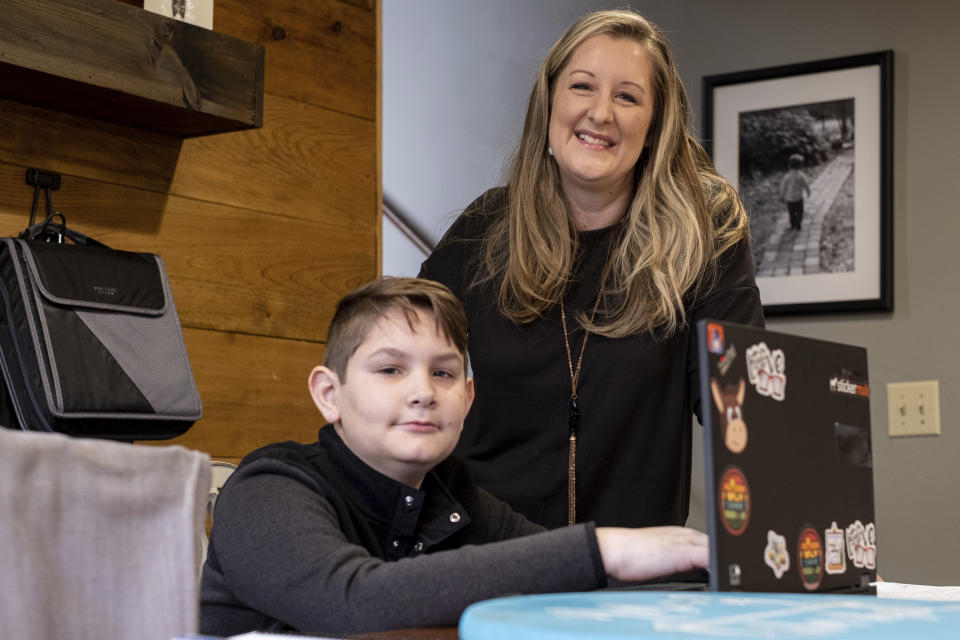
793	188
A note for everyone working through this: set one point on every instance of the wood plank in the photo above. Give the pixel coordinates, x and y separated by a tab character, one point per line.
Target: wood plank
379	72
81	146
304	160
101	59
230	269
321	53
254	392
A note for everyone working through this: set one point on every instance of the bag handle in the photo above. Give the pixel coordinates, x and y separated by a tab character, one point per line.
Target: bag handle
51	230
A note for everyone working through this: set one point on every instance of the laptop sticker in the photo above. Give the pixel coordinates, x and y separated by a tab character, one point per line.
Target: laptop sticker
714	338
836	553
724	362
729	403
767	370
862	545
776	555
810	558
733	570
850	383
853	445
734	501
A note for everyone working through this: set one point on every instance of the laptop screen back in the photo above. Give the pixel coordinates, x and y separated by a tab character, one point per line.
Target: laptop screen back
789	469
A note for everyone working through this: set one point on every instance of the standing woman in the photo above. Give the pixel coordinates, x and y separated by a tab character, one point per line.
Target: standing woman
583	279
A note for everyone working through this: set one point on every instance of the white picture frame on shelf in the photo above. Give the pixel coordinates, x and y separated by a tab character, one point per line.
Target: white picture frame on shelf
195	12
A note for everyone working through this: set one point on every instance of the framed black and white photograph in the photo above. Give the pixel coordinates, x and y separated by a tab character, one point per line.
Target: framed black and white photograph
809	148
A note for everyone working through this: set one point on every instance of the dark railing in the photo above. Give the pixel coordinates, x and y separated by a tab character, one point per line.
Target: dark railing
407	227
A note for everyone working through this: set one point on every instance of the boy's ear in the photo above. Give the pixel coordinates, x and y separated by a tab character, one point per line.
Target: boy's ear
470	394
324	387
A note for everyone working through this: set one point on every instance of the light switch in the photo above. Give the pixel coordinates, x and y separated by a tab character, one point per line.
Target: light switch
914	408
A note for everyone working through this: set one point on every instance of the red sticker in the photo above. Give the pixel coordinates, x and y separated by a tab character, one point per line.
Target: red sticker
734	498
810	558
715	338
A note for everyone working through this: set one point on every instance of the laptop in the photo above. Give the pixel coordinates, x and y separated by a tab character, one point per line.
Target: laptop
789	470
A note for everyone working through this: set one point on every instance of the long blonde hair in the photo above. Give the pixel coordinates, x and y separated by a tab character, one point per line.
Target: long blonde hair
682	217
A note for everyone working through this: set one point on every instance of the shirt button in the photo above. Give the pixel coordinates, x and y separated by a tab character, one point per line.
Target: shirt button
454	517
418	546
396	544
409	500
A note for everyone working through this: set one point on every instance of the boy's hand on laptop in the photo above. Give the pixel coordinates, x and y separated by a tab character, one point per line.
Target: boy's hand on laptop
632	555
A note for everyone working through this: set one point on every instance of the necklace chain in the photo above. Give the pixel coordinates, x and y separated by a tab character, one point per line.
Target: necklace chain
574	373
574	415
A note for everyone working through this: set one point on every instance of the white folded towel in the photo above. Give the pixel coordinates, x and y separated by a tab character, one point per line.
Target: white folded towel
98	539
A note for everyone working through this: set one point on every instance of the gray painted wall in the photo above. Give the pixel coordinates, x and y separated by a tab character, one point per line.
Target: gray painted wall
456	77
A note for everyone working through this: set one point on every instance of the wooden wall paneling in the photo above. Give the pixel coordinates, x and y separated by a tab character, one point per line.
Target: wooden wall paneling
81	146
321	53
230	269
86	205
261	231
254	392
303	162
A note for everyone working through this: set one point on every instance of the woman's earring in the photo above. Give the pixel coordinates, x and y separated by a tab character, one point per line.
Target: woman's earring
549	151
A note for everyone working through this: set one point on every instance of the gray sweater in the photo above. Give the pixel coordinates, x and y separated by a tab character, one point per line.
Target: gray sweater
309	538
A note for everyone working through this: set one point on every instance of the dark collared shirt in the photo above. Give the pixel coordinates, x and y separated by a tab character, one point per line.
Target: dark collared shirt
310	538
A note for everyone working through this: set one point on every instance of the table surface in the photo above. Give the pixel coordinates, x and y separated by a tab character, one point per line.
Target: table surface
884	590
705	615
424	633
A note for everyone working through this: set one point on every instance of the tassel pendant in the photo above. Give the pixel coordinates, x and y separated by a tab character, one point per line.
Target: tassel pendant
572	481
574	419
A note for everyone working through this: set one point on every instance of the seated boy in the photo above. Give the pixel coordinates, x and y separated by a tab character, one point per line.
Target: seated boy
373	527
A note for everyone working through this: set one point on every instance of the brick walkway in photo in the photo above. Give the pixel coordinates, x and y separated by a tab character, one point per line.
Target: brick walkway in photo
790	252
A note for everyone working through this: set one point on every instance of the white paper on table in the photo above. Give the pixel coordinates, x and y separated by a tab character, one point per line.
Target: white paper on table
916	591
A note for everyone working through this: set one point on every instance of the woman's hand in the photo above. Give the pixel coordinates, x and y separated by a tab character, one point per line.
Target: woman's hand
632	555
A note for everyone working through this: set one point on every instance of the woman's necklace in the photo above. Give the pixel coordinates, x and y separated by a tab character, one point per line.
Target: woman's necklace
574	415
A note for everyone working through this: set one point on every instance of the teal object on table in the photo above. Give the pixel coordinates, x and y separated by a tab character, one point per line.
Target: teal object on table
706	616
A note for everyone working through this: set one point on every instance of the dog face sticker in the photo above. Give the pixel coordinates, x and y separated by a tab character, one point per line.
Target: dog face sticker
729	403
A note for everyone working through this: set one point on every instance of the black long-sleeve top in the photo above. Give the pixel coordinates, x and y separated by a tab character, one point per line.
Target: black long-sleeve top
307	537
635	394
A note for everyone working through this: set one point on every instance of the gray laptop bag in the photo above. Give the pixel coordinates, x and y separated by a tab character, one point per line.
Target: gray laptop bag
90	341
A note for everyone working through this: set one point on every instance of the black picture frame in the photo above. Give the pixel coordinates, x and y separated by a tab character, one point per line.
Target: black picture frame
837	115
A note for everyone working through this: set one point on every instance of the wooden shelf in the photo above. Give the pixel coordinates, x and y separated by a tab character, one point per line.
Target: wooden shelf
114	62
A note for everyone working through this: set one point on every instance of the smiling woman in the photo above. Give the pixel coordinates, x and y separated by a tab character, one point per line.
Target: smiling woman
582	279
601	113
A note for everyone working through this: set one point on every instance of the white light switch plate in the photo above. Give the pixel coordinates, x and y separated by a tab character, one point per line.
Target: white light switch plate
913	408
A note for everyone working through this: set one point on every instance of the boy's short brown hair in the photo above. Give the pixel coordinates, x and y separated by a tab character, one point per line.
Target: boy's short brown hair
363	307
